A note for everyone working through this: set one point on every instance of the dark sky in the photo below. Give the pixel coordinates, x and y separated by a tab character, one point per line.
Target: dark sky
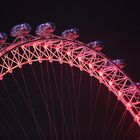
117	24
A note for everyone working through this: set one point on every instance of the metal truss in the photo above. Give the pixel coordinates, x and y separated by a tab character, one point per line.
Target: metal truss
54	48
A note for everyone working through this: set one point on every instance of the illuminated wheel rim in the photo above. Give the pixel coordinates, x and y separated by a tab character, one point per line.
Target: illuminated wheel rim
75	53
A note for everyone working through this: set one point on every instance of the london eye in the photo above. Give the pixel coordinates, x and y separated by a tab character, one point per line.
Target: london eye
56	87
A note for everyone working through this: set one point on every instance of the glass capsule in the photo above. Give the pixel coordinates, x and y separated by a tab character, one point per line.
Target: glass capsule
137	84
119	62
96	45
45	29
3	37
72	33
20	30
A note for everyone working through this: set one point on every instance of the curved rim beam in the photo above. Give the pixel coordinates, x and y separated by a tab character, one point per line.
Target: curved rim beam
77	54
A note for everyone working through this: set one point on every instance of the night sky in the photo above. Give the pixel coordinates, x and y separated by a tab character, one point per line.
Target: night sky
116	24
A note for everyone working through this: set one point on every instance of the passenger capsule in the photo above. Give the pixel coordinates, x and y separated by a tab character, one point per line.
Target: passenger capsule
20	30
137	84
119	62
96	45
71	33
3	38
45	29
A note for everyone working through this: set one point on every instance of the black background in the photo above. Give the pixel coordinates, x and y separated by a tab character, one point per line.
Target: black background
115	23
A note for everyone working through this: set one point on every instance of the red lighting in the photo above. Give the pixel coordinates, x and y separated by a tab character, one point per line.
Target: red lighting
136	118
90	65
68	53
71	63
119	93
79	58
128	106
9	70
60	60
110	83
101	74
29	61
19	65
1	77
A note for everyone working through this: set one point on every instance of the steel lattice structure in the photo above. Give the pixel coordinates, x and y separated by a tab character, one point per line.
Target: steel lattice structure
29	49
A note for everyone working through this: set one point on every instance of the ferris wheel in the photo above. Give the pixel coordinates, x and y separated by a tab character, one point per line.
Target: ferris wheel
66	49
